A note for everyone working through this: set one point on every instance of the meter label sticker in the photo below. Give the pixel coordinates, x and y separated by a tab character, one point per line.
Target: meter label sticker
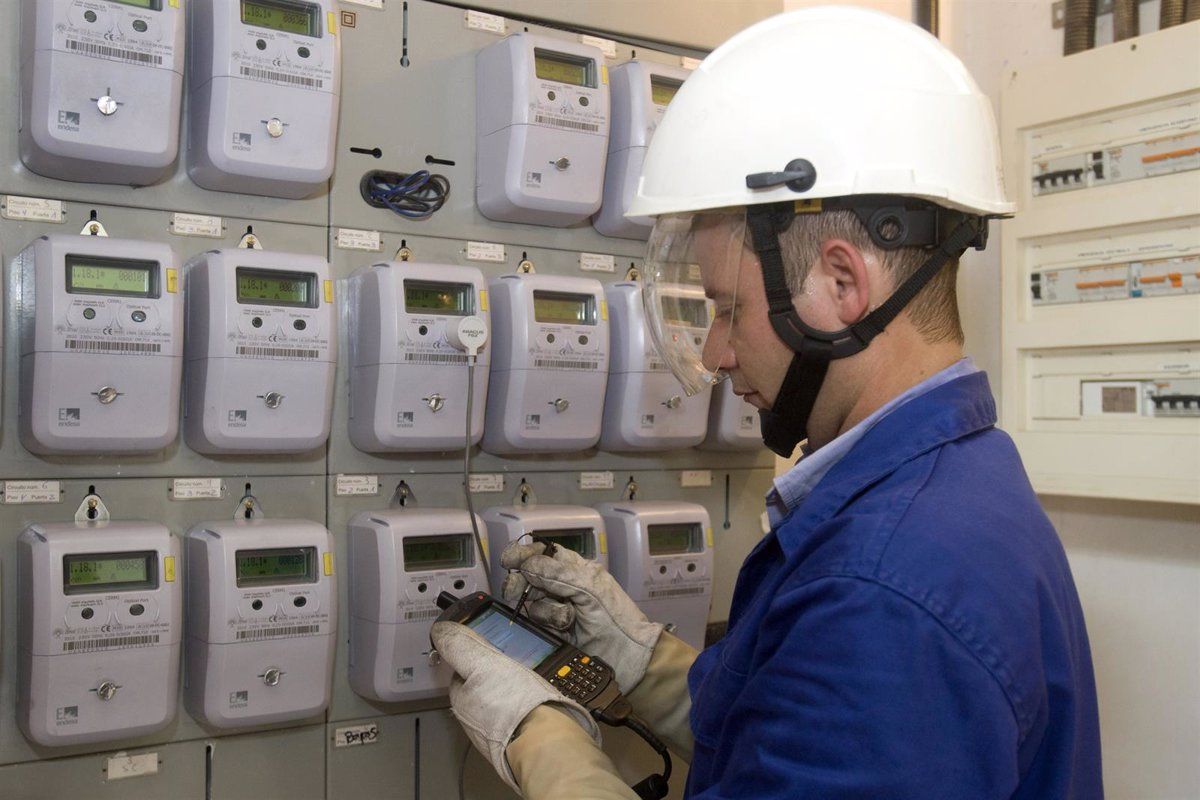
169	569
32	209
281	611
125	33
596	262
485	251
595	480
96	622
489	23
172	281
197	489
368	3
695	477
356	735
487	482
328	558
352	239
607	46
32	492
197	225
124	766
356	485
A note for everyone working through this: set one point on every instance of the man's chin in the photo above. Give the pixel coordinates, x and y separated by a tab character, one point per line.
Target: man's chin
755	399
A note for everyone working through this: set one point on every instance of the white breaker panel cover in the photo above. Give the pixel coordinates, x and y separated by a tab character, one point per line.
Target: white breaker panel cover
541	130
577	528
408	385
101	89
400	560
261	351
265	79
261	621
661	554
640	93
99	628
101	324
645	408
549	364
733	424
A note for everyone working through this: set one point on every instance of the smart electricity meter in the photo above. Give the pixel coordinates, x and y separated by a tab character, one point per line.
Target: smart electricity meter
733	424
99	629
261	352
101	83
261	621
541	130
264	78
549	364
101	345
640	91
408	384
661	554
577	528
645	408
400	560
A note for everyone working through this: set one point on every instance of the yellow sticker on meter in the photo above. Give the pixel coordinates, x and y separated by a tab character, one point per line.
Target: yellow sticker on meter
604	311
328	291
604	73
328	563
603	543
708	537
172	280
483	545
483	300
169	569
332	24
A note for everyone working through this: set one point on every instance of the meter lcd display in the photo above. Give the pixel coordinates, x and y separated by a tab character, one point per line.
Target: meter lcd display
451	551
580	540
112	276
103	572
686	312
562	68
152	5
282	16
434	297
515	641
662	90
274	288
564	308
275	565
675	538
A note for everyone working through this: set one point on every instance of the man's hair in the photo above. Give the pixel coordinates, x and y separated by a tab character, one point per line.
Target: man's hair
934	311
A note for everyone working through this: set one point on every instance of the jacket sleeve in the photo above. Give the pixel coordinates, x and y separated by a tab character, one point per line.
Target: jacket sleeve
856	691
553	758
662	699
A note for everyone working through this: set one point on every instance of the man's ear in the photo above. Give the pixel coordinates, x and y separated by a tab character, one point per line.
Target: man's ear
847	280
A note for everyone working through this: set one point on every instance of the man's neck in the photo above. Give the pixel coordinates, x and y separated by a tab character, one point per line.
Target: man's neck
902	375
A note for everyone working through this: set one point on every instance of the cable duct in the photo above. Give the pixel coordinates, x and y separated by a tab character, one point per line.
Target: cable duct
1125	19
1170	13
1080	26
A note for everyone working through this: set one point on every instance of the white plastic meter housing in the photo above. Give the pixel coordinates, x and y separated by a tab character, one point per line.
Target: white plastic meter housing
99	628
661	554
261	621
640	93
645	408
400	560
101	324
261	352
541	130
101	85
733	424
549	364
408	384
265	80
577	528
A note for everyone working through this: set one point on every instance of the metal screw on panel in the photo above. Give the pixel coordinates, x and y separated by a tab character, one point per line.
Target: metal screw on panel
275	127
561	404
435	402
562	163
107	105
107	394
273	399
271	676
673	402
106	690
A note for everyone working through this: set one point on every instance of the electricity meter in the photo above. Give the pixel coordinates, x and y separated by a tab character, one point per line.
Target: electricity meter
408	383
101	84
101	325
549	364
733	424
99	629
400	560
645	408
264	80
261	621
577	528
541	130
261	351
661	554
640	91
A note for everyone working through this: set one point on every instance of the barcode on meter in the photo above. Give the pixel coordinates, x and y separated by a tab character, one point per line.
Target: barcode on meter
677	592
276	352
282	77
267	633
425	613
115	641
563	363
435	358
112	52
112	347
569	124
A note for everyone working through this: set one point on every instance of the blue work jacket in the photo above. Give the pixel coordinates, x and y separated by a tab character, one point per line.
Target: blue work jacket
909	630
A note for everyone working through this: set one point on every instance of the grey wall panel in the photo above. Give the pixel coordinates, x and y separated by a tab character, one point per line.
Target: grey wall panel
384	768
278	764
181	771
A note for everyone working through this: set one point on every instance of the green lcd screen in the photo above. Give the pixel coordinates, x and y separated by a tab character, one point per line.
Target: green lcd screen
275	288
433	297
675	538
581	540
85	573
449	551
112	276
275	565
662	90
152	5
685	312
564	308
280	15
562	68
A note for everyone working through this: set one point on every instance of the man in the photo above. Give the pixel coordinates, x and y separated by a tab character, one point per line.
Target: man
909	628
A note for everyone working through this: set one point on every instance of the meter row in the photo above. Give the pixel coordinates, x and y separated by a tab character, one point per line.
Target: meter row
569	363
102	613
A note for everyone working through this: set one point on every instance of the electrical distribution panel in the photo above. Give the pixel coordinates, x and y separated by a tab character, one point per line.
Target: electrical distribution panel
733	424
577	528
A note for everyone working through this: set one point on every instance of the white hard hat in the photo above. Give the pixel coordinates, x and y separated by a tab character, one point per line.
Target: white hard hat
876	106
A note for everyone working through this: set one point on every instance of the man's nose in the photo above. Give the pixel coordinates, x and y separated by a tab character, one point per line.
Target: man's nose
718	354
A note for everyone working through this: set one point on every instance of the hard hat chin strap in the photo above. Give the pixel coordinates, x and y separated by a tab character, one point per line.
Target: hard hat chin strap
786	424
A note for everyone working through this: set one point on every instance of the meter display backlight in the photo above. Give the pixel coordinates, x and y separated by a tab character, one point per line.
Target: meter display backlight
152	5
662	90
451	551
299	18
97	275
564	308
457	299
671	539
562	68
581	540
686	312
275	566
101	572
272	287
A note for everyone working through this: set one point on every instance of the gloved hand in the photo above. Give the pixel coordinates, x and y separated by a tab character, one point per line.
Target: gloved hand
583	602
491	694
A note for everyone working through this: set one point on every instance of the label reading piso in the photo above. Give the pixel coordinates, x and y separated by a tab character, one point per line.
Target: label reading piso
32	209
126	766
597	262
356	485
489	23
492	252
32	492
607	46
487	482
197	489
352	239
595	480
197	225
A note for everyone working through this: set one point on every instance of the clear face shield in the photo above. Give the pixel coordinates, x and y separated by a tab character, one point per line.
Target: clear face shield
689	291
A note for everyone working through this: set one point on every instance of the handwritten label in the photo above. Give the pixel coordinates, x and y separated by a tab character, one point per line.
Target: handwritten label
197	489
595	480
356	735
197	225
32	492
597	262
356	485
489	23
485	251
607	46
34	209
352	239
123	766
487	482
689	63
695	477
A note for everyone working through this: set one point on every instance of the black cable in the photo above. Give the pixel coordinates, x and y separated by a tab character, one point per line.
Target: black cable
416	195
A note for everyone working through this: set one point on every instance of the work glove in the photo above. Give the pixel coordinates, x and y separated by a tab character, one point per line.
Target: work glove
491	694
580	600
